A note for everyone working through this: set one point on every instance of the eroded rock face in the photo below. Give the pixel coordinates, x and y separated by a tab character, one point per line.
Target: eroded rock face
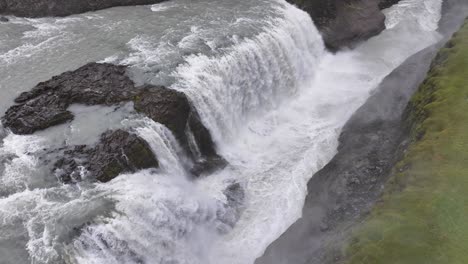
117	152
46	105
344	23
42	8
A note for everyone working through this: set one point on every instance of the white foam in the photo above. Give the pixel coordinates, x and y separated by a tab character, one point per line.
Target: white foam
275	104
162	7
21	165
425	12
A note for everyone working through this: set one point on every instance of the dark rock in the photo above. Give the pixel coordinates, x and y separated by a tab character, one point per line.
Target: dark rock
4	19
232	209
106	84
42	8
168	107
117	152
355	21
172	109
202	136
344	23
46	104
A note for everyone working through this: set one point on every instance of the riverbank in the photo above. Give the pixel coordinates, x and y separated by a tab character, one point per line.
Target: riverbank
421	217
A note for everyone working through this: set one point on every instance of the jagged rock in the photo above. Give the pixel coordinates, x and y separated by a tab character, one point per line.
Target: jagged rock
387	3
232	209
355	21
172	109
165	106
343	23
4	19
117	152
106	84
209	165
46	104
42	8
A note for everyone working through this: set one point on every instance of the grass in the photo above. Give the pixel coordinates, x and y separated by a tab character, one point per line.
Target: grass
422	217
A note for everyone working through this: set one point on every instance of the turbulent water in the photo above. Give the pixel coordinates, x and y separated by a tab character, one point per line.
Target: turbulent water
257	72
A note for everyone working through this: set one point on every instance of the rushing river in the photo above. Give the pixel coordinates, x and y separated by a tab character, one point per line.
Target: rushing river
273	98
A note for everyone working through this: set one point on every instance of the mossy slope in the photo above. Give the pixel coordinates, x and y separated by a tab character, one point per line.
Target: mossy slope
422	217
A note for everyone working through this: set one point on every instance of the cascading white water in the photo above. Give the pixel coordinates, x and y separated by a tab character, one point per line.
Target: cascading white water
275	103
255	76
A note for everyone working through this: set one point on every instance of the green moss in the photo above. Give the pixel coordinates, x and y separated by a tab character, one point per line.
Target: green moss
423	215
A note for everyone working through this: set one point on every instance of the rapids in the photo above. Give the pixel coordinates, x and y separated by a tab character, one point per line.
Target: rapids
273	98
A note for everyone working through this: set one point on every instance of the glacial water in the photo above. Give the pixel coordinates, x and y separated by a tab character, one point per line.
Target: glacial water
257	72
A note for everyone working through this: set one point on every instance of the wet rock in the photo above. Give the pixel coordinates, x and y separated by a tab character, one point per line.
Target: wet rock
208	166
106	84
4	19
387	3
42	8
165	106
117	152
46	104
235	195
344	23
172	109
355	21
232	209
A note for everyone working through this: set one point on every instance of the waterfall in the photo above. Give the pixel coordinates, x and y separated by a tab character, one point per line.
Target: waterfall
273	98
253	77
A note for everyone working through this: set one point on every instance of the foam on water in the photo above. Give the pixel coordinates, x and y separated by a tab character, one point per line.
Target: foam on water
254	77
162	7
274	100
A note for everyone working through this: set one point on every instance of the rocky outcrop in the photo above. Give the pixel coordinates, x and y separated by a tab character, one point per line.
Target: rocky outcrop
172	109
42	8
46	104
106	84
387	3
117	152
344	23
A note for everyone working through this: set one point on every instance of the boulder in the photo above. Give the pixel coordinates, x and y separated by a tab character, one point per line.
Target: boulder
46	104
117	152
344	23
356	20
4	19
43	8
172	109
231	210
387	3
106	84
165	106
